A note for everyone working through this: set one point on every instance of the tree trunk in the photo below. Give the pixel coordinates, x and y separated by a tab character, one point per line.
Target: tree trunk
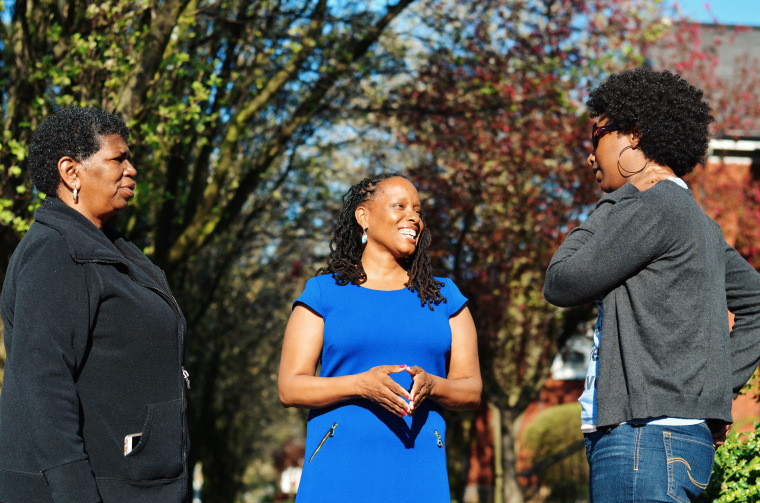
498	469
510	428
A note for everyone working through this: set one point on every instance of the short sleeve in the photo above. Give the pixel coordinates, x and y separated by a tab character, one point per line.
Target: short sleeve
311	296
454	298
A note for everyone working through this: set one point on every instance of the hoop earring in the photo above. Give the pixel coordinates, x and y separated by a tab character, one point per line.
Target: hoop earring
621	168
76	195
364	237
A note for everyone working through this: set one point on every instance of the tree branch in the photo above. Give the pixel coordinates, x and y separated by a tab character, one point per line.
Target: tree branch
132	97
206	221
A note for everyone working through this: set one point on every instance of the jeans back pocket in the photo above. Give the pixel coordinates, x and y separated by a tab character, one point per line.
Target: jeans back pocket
690	463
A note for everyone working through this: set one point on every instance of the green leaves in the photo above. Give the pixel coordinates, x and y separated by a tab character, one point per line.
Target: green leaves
736	474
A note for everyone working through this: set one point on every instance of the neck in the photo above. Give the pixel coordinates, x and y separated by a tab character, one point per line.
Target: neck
67	197
383	267
68	200
652	166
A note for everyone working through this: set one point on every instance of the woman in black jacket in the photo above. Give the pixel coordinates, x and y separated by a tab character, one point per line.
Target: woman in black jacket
93	402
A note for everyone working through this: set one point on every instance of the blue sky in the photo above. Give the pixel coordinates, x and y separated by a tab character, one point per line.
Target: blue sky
744	12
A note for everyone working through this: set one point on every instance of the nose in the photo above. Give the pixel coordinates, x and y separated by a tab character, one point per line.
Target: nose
413	216
129	169
591	159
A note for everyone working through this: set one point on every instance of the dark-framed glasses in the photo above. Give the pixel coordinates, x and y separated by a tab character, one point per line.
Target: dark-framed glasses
598	132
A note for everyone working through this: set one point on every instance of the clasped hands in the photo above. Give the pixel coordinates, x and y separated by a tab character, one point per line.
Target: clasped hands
376	385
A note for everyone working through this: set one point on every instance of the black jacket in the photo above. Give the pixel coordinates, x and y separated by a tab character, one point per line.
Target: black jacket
95	348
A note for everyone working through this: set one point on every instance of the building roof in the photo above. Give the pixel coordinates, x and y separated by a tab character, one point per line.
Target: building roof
732	85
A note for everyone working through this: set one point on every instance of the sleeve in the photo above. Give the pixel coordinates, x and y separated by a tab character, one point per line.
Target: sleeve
312	296
743	299
455	301
50	338
599	255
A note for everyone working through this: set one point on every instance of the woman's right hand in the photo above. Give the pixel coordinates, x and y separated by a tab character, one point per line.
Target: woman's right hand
298	385
650	176
376	385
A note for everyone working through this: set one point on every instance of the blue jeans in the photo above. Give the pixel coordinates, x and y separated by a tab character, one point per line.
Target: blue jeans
638	464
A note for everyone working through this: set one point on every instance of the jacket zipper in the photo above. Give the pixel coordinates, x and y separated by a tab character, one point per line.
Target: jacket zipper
330	433
181	329
184	375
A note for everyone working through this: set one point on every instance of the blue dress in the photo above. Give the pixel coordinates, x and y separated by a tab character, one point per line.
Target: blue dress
368	454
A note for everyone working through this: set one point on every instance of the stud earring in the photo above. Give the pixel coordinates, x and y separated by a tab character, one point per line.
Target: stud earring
364	237
76	195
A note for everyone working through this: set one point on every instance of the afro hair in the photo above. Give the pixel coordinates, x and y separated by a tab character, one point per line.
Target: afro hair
668	114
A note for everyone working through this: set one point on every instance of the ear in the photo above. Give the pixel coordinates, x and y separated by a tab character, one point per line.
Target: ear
634	138
68	168
362	216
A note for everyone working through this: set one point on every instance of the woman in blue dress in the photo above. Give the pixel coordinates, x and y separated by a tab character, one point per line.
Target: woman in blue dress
396	346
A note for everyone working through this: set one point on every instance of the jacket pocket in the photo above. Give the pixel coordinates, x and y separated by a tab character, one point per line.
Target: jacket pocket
158	455
330	433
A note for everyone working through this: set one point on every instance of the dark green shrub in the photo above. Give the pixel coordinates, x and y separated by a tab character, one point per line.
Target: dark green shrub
736	474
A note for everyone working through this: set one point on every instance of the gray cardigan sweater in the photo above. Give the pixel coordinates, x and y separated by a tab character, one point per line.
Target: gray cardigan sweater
667	277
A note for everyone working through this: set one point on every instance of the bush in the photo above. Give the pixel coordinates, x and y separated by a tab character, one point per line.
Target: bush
736	474
552	431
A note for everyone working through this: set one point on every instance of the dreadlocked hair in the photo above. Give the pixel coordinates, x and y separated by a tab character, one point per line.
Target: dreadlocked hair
344	261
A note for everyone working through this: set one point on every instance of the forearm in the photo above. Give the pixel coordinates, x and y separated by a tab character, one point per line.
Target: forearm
743	298
457	394
562	275
305	391
630	238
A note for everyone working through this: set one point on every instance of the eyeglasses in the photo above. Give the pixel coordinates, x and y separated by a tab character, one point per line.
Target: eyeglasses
598	132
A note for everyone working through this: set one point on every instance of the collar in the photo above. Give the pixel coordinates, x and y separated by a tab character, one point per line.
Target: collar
87	243
630	190
679	181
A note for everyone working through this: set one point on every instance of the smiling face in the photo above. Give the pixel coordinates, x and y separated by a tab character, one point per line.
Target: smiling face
105	181
392	218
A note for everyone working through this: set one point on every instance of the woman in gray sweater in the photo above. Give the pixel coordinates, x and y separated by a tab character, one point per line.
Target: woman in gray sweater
665	364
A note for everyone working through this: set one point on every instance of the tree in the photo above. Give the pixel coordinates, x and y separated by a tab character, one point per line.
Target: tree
224	99
496	110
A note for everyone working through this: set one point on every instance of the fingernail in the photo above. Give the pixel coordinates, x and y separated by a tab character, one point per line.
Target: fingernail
400	415
402	366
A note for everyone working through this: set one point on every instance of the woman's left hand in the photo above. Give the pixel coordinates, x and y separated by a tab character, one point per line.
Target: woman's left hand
422	387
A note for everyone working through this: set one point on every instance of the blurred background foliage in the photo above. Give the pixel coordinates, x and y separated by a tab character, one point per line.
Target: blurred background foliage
554	434
250	119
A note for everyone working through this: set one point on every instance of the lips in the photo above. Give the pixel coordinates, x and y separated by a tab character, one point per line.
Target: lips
130	189
409	233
